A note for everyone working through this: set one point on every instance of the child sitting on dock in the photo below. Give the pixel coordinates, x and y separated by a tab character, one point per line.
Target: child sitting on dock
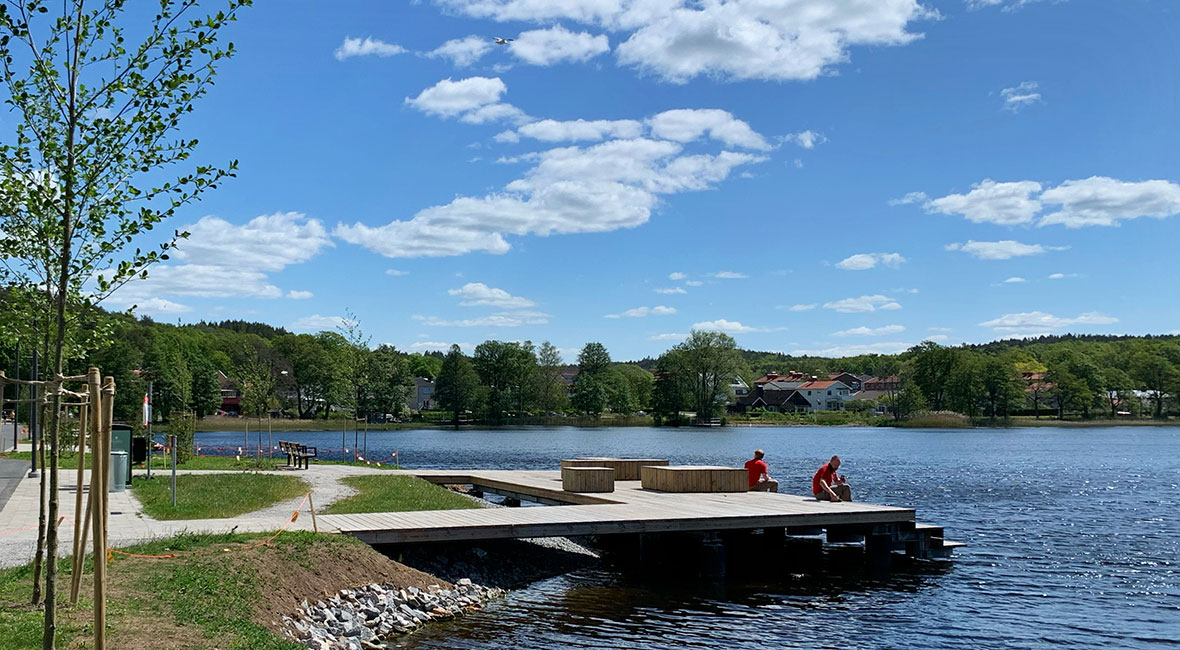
760	480
827	485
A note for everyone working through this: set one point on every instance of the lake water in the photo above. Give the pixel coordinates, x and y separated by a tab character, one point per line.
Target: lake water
1074	541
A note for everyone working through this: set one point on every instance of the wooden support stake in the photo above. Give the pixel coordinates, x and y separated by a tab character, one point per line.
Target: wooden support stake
311	506
96	519
79	547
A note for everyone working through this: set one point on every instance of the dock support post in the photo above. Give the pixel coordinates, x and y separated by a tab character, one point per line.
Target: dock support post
512	502
713	556
878	550
476	492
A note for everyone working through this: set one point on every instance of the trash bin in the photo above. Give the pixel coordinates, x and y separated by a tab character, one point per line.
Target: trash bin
138	450
121	441
119	467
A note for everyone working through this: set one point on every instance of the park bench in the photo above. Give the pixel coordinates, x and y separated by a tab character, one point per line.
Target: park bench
298	453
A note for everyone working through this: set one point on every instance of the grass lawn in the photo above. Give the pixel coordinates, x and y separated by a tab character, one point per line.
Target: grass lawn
222	596
397	494
214	496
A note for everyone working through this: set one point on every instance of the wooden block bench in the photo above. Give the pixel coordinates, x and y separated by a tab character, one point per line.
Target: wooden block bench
300	454
588	479
695	478
626	469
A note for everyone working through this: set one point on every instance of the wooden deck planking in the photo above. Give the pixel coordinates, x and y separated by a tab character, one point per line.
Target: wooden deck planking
629	509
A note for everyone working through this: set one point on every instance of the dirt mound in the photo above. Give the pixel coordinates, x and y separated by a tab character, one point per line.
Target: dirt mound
288	574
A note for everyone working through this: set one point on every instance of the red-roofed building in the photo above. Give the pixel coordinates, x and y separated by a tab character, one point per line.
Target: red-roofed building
827	395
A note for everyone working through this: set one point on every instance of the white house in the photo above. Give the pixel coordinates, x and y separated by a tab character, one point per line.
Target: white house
825	395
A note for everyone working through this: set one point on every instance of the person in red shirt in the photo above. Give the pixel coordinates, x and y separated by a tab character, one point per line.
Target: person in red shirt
827	485
760	480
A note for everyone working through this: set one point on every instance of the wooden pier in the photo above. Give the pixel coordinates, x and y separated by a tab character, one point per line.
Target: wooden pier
630	509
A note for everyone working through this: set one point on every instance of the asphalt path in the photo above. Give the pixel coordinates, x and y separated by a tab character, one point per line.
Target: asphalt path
11	472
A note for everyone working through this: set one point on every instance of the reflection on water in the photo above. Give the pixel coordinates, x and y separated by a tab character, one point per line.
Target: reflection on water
1073	541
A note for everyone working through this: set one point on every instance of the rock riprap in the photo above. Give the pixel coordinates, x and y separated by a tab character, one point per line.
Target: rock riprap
359	619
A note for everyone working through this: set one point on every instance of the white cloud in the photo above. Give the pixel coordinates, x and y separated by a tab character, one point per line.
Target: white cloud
688	124
1014	280
574	130
938	338
299	295
1036	322
760	39
1094	201
265	243
671	290
366	47
730	275
556	45
1021	96
940	329
501	319
669	336
475	100
865	261
440	346
1062	276
396	273
474	294
677	40
226	260
676	276
640	312
727	326
158	306
862	304
506	136
854	350
1102	201
599	188
1005	204
1001	250
317	323
884	330
693	283
806	307
462	51
806	139
911	197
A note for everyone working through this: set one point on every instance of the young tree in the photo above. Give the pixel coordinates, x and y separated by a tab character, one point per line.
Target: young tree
457	386
932	365
551	393
94	115
390	381
710	361
354	357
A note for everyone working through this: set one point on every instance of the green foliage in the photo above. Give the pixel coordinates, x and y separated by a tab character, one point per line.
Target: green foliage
708	363
507	371
457	386
593	359
183	425
551	394
590	394
424	365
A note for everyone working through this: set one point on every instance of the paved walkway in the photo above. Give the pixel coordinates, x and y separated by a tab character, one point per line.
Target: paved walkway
128	523
11	473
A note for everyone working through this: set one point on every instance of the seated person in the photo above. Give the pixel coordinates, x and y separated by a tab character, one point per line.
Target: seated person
827	485
760	481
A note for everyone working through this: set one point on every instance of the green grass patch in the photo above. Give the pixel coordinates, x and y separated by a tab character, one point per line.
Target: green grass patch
398	493
214	496
202	601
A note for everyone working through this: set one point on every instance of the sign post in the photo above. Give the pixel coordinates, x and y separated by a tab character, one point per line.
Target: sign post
172	445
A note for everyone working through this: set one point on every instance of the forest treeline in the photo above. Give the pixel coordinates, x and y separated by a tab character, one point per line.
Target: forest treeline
339	372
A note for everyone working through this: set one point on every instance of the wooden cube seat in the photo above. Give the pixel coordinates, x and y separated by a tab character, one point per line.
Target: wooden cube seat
588	479
695	478
626	469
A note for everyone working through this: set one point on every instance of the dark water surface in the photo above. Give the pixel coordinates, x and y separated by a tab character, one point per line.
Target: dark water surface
1074	541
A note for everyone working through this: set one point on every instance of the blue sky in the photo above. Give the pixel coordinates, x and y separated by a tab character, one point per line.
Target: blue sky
808	176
